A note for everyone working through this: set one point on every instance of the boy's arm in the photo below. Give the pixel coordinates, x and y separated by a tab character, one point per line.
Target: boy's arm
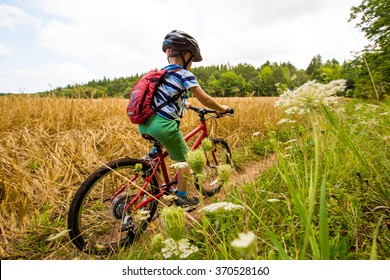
207	100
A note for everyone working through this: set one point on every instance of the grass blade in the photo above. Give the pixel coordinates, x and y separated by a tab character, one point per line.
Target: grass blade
324	227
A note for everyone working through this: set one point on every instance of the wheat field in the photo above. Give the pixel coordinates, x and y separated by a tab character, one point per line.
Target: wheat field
49	145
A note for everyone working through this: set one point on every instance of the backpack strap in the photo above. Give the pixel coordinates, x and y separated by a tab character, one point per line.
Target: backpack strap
170	100
173	98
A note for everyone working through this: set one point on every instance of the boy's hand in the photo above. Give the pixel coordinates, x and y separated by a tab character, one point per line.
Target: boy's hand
225	108
187	105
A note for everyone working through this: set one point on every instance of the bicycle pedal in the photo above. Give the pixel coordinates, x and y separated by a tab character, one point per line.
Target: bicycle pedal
127	223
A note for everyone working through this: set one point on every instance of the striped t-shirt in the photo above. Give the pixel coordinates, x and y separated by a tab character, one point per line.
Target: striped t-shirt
175	81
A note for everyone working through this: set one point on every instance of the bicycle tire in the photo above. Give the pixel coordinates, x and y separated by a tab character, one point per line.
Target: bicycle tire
95	222
207	182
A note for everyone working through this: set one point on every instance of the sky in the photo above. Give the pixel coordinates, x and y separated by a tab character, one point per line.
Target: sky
45	44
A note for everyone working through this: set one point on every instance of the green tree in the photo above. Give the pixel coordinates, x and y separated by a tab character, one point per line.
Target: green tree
314	69
373	18
267	82
232	84
330	71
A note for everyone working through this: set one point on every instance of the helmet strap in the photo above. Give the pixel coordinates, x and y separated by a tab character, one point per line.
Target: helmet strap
188	61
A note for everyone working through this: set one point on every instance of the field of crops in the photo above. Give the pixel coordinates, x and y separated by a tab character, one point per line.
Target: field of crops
49	145
326	198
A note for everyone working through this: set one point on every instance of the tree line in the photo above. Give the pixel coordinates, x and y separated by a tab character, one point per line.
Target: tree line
367	75
241	80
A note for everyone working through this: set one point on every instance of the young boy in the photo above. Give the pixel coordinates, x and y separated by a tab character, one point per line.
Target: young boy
181	50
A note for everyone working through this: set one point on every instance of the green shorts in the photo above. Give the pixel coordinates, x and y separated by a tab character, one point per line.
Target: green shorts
168	133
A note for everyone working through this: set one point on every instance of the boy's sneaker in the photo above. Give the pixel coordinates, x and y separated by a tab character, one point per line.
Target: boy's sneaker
189	203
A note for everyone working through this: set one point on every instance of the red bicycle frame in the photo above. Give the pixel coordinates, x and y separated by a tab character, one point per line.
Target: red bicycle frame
159	161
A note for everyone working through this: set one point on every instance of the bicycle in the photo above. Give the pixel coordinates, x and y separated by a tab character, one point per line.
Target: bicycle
115	204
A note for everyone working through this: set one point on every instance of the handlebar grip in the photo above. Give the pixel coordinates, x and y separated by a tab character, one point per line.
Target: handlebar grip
193	108
230	111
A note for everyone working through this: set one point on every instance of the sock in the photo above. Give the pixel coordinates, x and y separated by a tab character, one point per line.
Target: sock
182	194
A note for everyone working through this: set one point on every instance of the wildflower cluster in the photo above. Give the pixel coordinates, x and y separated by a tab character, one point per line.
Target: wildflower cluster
173	223
223	220
138	168
178	165
310	96
245	243
224	171
196	160
181	248
207	145
142	215
226	206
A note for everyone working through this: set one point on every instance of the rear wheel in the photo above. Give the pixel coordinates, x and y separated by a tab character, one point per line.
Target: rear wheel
207	182
97	219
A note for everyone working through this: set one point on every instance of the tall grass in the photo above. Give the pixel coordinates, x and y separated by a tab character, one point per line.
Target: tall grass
327	197
333	178
49	146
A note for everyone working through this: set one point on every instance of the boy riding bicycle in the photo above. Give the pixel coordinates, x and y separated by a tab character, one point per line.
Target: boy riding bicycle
181	50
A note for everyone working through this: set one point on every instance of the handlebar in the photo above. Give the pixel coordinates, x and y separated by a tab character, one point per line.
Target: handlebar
204	111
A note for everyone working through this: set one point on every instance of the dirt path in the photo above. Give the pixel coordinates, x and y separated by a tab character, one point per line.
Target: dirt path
249	173
251	170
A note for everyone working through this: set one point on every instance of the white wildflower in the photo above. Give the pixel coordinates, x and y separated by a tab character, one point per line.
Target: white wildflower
282	121
340	110
170	248
227	206
142	215
292	140
373	106
181	248
170	197
186	249
178	165
244	242
310	96
359	106
273	200
58	235
291	110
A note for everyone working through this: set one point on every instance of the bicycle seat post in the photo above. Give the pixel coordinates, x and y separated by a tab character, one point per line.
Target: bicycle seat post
156	149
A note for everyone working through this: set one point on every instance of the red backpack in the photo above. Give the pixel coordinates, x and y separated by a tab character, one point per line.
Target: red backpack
139	108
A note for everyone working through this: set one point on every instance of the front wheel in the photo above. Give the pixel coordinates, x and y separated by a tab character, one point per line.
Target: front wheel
207	182
97	219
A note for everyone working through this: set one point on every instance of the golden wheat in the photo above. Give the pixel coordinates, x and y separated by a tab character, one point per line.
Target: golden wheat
48	146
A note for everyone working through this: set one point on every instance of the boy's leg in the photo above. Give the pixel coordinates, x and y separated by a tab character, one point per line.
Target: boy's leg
168	133
182	189
182	178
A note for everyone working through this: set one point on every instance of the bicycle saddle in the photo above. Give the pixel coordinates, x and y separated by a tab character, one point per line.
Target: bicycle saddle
150	138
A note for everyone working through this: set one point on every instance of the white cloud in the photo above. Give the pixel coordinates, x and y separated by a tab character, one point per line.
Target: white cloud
4	51
11	17
120	37
44	77
118	31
